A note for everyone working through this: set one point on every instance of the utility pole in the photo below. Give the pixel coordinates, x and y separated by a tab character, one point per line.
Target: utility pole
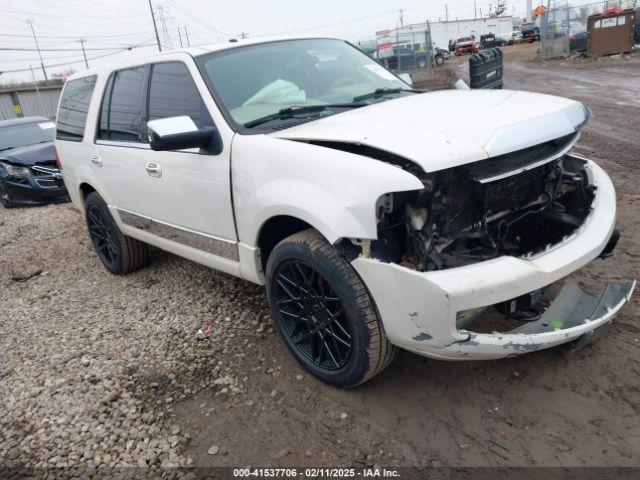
186	36
401	17
180	37
84	54
165	33
30	22
446	12
35	84
475	10
155	27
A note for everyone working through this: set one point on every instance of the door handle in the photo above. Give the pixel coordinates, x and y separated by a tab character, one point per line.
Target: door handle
96	160
154	170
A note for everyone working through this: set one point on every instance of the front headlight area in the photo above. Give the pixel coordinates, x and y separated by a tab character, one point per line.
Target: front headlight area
464	216
15	170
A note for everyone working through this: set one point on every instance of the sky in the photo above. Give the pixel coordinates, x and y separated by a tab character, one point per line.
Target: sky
110	26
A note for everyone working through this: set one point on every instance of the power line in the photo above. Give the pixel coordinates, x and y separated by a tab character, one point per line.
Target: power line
74	9
11	11
142	45
56	26
188	14
21	49
31	59
75	36
329	25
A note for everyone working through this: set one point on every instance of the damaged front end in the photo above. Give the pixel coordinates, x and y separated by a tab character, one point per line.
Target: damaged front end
472	265
552	316
476	212
31	184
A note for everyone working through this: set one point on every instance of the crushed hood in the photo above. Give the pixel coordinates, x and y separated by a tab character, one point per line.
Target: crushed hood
447	128
40	153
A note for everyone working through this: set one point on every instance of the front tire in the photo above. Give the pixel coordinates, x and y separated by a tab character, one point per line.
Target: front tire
117	252
324	313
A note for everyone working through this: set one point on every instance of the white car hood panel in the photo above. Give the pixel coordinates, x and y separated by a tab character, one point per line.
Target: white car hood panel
448	128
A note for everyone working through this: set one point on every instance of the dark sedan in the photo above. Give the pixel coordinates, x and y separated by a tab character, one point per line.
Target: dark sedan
578	42
29	174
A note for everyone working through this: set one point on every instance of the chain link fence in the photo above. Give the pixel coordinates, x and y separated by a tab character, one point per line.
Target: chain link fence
563	29
403	52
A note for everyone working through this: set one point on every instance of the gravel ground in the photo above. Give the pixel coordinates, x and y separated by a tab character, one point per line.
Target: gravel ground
98	370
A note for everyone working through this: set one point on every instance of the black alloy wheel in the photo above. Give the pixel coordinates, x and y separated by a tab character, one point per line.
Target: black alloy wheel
323	312
102	237
313	317
119	253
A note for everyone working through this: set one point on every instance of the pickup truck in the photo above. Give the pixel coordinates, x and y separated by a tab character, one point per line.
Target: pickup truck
405	58
530	33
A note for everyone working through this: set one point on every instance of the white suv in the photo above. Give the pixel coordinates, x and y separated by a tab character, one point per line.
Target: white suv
373	220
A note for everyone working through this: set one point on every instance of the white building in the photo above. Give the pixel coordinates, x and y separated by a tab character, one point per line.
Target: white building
442	32
24	100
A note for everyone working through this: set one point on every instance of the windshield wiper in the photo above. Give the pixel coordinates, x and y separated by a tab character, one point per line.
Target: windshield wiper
381	92
289	112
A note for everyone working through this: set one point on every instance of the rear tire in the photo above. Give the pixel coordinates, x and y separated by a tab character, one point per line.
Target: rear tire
117	252
323	312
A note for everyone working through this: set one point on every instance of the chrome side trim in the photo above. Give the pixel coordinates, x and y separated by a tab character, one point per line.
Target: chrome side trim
198	240
116	143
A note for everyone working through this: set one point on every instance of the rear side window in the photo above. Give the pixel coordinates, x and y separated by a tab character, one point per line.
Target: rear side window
173	93
74	106
122	106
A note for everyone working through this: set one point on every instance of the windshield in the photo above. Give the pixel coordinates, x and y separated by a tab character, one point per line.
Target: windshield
26	134
260	80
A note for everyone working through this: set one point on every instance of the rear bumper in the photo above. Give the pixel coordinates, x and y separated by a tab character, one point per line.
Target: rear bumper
33	190
419	309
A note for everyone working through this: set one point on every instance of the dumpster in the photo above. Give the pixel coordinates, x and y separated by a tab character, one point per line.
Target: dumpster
611	32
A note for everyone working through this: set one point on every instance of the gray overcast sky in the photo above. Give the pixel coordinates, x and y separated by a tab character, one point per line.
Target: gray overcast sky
109	25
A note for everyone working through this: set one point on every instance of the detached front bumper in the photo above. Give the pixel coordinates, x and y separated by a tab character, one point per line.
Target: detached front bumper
419	309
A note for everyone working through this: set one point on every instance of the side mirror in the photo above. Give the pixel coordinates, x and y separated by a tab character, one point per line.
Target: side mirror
406	78
461	85
178	133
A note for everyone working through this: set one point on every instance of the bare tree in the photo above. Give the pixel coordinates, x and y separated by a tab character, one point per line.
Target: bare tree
500	9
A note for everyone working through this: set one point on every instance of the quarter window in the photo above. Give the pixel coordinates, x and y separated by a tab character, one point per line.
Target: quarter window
122	107
74	106
173	93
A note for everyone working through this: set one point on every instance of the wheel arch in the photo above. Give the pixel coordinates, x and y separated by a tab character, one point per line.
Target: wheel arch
275	229
85	189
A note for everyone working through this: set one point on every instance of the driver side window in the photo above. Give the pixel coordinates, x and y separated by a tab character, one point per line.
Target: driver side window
173	93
